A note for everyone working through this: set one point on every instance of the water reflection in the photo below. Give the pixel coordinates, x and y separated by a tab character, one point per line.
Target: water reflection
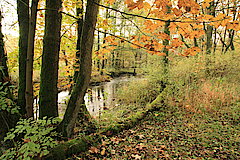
97	98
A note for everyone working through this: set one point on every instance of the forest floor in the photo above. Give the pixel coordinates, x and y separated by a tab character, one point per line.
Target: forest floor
172	133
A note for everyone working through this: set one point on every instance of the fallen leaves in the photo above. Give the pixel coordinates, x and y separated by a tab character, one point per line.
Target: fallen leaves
168	136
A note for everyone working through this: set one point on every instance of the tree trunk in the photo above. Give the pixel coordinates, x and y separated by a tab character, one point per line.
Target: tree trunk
30	55
48	94
166	43
79	10
209	31
7	120
23	20
75	104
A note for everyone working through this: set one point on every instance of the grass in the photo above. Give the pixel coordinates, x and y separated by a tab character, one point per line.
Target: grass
200	121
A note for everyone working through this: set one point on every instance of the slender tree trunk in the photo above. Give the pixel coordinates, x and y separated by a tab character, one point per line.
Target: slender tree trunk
75	104
166	43
79	10
23	20
209	31
104	41
98	48
30	55
48	94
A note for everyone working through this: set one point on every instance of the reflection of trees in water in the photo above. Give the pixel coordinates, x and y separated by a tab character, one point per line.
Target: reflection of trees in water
102	97
97	98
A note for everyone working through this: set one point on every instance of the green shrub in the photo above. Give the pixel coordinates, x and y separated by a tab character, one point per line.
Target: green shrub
6	104
36	139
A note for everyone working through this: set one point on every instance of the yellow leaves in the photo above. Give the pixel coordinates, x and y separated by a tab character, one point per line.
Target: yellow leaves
103	24
103	152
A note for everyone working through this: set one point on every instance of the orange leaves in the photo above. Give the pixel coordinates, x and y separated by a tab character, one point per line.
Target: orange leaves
150	26
221	20
176	42
206	3
111	40
235	25
190	6
109	45
163	4
110	1
177	12
191	51
162	35
132	5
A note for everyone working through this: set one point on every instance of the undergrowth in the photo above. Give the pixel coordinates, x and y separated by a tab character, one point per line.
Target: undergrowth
200	121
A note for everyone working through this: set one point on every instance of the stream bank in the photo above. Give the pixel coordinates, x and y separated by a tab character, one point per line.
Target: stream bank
98	97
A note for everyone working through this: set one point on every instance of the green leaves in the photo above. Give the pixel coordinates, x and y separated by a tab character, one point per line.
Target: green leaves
36	141
7	104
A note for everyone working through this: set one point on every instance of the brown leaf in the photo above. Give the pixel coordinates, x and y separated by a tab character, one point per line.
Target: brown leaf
26	140
93	150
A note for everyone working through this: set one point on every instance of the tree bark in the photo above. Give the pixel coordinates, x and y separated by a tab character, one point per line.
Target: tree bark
48	94
75	104
7	120
209	31
166	43
23	20
30	55
79	10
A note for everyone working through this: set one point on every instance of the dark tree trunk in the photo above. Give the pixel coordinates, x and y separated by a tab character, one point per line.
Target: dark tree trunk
23	20
7	120
75	105
166	43
209	30
48	94
30	55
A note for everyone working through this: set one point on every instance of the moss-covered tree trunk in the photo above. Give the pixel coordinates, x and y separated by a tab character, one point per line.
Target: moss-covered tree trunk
166	43
75	104
30	55
48	94
23	20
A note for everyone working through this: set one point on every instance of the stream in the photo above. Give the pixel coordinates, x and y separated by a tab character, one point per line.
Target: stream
97	98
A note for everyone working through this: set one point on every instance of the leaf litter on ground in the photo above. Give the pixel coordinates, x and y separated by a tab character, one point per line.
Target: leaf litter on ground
172	134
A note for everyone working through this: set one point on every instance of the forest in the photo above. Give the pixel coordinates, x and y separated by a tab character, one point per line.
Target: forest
119	79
